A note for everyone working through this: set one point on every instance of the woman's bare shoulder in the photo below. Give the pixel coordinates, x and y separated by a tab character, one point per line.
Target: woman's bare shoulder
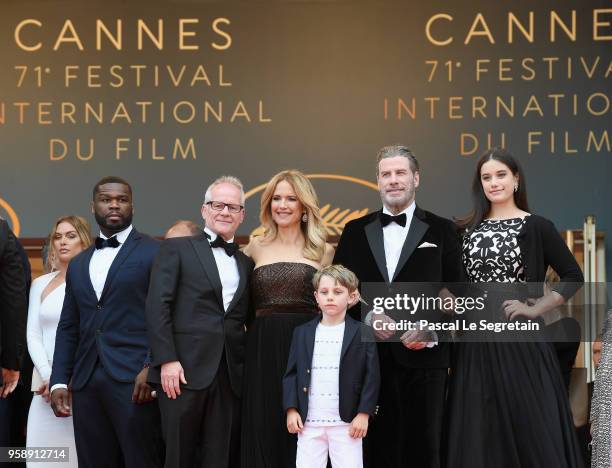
256	246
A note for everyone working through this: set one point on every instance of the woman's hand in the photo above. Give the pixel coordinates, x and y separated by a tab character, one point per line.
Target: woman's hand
43	390
514	308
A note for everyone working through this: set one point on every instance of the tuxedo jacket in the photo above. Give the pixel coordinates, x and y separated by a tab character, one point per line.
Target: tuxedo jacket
112	328
186	320
361	249
359	373
13	301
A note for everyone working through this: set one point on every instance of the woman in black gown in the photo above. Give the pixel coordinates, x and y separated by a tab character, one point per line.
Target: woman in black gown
286	257
507	404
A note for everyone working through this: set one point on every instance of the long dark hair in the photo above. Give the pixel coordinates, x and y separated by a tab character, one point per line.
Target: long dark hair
482	206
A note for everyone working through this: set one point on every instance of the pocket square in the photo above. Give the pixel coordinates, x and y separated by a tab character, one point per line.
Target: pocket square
426	244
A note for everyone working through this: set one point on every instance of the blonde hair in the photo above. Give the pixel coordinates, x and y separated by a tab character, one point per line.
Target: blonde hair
80	225
313	229
340	274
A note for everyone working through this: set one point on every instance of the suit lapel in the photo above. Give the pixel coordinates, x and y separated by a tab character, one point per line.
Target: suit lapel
417	230
86	260
207	259
374	234
124	252
311	332
242	271
350	328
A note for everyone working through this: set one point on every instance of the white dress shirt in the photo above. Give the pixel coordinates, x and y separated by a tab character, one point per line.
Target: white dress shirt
228	270
394	237
102	259
99	265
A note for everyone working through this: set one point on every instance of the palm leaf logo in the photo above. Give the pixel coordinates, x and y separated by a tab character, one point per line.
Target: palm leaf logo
335	219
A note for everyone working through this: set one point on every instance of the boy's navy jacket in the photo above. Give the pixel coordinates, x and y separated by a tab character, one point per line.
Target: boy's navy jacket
359	373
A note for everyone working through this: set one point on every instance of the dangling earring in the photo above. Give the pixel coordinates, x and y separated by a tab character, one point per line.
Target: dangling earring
304	217
516	187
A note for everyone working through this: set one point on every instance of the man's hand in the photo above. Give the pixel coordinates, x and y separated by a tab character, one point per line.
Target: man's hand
142	390
417	339
294	421
359	426
448	301
10	379
43	390
381	331
172	375
61	402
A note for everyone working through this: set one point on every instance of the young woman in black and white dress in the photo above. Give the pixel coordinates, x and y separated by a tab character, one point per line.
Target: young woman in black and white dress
507	405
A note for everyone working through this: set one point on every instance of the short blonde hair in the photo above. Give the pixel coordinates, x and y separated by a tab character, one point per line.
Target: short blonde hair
340	274
313	229
80	225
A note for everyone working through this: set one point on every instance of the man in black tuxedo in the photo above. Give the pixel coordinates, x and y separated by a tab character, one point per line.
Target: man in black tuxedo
197	308
14	408
101	344
13	355
13	310
403	243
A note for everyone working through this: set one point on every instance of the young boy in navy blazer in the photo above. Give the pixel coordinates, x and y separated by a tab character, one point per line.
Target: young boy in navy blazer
331	386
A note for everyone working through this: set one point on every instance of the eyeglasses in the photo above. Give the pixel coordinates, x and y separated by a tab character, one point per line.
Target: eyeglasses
220	206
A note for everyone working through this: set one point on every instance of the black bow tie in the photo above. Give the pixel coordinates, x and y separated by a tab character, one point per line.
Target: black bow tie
111	242
385	219
229	247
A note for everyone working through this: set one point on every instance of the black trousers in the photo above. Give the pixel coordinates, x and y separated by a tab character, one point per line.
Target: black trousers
408	428
111	431
202	427
13	419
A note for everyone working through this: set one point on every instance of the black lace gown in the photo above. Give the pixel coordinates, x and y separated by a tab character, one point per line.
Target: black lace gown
507	404
283	297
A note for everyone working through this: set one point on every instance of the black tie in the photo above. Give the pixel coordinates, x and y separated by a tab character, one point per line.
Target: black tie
229	247
385	219
111	242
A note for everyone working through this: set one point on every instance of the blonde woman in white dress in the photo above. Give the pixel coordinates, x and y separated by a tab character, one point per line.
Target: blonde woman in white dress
70	235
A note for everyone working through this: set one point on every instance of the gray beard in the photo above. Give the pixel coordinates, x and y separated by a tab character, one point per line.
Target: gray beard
399	206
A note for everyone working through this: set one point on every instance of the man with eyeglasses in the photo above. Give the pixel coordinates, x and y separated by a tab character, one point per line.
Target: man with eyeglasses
197	308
